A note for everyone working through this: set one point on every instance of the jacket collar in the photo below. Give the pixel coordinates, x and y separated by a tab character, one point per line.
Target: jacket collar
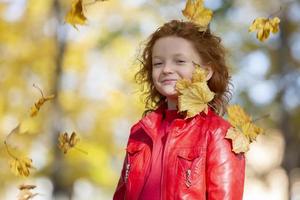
151	122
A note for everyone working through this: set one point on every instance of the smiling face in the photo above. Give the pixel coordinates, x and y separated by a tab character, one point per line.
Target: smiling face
172	59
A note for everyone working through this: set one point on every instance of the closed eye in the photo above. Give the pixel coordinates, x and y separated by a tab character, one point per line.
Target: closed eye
180	61
157	64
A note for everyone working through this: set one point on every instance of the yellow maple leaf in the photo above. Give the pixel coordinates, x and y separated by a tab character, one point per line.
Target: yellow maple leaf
183	84
76	16
197	13
240	142
38	104
251	130
194	95
243	126
65	143
199	74
264	26
237	116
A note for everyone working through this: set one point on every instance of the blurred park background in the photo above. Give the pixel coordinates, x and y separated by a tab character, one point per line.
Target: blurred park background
90	70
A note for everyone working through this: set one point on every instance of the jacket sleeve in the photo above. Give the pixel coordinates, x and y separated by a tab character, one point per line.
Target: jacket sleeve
225	170
121	187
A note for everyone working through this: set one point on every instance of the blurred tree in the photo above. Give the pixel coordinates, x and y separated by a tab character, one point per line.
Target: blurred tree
90	72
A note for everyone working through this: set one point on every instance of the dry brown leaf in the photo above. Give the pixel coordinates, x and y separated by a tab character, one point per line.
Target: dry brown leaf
25	192
37	105
66	142
21	166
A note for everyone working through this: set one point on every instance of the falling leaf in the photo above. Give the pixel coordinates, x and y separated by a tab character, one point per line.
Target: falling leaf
66	142
243	129
197	13
21	166
26	187
76	16
37	105
240	143
194	95
25	192
264	26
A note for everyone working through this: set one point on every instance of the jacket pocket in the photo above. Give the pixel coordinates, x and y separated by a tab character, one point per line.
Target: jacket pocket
133	163
191	165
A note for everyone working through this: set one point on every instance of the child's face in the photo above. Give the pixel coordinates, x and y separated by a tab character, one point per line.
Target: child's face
172	59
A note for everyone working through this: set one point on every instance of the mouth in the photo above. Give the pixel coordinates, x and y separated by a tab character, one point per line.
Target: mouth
169	81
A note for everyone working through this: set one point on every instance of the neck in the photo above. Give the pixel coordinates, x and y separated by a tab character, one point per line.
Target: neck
172	104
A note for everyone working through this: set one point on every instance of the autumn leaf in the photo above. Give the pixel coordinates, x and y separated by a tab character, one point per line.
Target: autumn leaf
264	26
240	143
194	95
25	192
26	187
251	131
197	13
65	143
76	16
199	74
37	105
244	131
21	166
237	116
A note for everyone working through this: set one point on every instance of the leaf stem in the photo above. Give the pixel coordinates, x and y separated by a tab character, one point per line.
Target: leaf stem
261	117
9	153
80	150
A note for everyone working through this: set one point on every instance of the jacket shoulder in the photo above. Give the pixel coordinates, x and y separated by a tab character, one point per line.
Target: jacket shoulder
217	122
136	126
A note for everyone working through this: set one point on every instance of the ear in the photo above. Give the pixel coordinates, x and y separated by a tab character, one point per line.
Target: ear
209	73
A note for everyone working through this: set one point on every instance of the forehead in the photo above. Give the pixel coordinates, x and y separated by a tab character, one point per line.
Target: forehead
173	45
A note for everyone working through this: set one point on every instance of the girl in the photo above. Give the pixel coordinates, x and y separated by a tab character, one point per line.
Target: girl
170	156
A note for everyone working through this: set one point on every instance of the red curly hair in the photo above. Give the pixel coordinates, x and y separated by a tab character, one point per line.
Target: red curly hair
211	52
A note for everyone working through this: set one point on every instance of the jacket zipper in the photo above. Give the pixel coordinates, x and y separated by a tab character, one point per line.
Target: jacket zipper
127	171
188	181
165	153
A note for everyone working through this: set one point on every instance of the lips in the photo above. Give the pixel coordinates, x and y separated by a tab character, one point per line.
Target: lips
168	81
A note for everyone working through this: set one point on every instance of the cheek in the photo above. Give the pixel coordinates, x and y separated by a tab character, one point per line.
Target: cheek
155	75
187	73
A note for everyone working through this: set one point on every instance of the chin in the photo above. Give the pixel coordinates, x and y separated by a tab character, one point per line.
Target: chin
171	94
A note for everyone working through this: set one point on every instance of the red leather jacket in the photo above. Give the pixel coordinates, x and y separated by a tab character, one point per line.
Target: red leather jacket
198	163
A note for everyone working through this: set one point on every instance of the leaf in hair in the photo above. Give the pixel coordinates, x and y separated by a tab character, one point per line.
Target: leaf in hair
197	13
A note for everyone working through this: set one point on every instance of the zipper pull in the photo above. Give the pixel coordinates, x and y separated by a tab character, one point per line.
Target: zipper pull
188	182
127	172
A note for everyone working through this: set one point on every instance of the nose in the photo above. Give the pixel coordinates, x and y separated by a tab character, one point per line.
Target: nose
167	68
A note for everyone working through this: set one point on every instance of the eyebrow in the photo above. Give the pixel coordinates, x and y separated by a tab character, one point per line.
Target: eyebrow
156	57
177	54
